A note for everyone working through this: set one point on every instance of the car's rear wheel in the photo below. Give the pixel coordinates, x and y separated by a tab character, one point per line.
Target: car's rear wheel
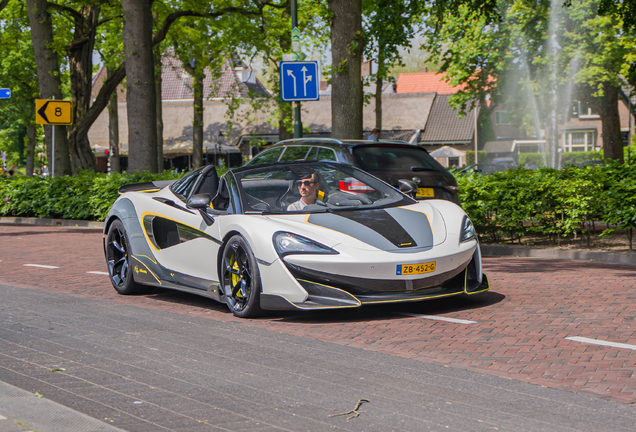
118	258
240	278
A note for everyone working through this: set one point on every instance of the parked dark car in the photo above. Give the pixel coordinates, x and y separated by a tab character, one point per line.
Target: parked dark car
589	163
390	161
483	168
507	162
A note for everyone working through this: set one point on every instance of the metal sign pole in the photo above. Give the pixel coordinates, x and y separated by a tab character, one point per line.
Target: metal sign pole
298	126
52	173
476	138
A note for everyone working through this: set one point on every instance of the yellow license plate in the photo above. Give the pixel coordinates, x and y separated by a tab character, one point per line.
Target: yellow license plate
425	193
410	269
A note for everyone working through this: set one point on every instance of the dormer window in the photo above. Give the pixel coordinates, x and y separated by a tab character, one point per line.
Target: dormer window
583	110
501	118
245	75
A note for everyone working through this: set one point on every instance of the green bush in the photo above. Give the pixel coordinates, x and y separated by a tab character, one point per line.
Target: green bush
507	204
87	196
550	202
529	159
571	158
481	155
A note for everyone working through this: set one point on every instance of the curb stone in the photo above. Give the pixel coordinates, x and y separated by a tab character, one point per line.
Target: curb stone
487	250
42	414
530	252
10	425
52	222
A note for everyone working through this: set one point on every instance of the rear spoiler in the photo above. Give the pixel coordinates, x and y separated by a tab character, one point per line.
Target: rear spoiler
146	186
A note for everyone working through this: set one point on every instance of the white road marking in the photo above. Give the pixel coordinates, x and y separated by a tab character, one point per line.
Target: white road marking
439	318
40	266
602	342
99	273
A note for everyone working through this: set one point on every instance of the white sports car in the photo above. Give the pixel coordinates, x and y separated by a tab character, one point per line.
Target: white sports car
302	235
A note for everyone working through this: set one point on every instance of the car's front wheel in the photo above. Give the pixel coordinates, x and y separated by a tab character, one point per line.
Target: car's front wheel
240	278
118	259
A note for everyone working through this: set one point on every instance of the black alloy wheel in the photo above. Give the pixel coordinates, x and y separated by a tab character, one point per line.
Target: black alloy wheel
118	258
240	278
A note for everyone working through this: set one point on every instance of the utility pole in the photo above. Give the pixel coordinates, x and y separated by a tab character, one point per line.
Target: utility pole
476	137
298	126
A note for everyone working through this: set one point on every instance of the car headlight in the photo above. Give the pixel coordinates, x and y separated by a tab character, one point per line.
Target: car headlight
468	230
288	243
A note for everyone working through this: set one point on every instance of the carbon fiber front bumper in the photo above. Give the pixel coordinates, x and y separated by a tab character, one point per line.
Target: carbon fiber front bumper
328	291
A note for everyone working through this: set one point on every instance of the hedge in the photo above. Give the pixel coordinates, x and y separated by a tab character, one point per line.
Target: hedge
569	158
505	205
549	202
87	196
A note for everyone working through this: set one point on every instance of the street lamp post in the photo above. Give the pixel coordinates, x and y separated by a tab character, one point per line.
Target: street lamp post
218	142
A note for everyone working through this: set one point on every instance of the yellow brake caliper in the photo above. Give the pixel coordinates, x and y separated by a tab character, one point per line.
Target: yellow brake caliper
234	277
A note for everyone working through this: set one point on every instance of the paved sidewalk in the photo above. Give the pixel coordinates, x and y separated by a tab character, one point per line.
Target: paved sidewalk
42	415
154	371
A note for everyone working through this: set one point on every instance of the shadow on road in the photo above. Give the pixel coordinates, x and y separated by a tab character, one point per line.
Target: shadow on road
391	311
360	314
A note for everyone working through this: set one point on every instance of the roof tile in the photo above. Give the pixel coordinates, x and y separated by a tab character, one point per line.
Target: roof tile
425	82
444	125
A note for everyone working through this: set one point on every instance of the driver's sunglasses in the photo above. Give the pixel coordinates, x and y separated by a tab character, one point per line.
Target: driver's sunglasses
305	183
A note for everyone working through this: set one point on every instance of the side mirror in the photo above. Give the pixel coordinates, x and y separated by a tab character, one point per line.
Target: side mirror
201	202
408	187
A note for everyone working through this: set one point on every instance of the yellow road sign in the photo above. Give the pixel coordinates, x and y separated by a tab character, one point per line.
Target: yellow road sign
53	112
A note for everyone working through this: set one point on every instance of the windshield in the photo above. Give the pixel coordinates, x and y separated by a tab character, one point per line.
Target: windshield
314	187
394	158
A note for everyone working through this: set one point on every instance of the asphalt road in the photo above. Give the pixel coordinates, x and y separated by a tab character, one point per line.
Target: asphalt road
171	361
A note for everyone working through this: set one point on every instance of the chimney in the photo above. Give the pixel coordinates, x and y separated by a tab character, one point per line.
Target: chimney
424	69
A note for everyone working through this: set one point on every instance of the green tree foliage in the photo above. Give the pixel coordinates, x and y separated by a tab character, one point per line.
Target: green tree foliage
18	73
535	50
389	25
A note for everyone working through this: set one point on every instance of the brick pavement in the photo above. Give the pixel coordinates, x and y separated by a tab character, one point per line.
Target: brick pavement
521	324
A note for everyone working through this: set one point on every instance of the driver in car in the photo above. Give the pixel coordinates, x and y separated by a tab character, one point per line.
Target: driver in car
308	189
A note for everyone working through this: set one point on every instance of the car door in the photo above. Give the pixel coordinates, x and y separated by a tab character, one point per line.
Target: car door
183	242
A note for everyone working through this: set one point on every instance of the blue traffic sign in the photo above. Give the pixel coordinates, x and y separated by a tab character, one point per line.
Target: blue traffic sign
299	81
5	93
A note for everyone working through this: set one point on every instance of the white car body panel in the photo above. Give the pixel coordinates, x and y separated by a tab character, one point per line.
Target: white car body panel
356	257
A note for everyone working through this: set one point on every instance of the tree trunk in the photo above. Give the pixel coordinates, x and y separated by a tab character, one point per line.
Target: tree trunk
31	131
113	130
80	55
608	110
159	99
346	83
48	79
140	94
198	76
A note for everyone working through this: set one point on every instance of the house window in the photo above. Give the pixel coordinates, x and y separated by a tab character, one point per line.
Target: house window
453	162
586	111
579	140
625	136
501	118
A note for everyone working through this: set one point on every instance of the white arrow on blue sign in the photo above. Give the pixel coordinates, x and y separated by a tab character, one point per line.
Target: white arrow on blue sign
299	81
5	93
